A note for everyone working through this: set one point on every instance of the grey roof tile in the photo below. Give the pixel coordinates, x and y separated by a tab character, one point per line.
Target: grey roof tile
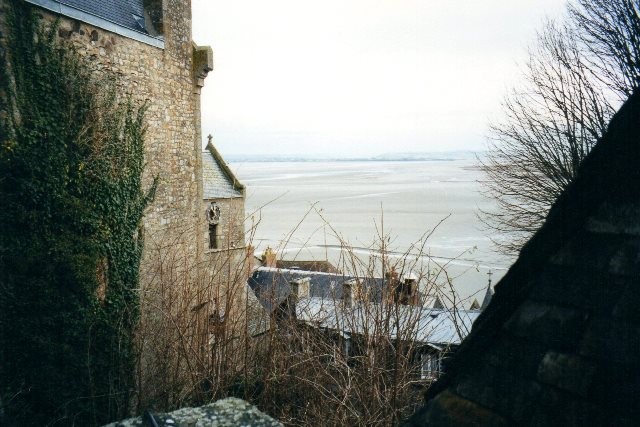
119	12
218	181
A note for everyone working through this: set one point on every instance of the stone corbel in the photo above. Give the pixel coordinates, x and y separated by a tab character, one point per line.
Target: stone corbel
202	63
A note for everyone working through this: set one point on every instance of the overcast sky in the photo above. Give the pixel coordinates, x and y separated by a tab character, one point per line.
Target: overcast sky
360	77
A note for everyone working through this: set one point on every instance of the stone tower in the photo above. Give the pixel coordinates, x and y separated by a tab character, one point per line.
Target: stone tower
147	45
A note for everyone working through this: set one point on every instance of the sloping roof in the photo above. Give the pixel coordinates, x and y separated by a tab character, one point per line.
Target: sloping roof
431	301
311	265
218	181
559	343
124	17
119	12
425	325
271	285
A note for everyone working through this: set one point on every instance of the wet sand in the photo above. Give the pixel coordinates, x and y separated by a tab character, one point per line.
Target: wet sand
308	210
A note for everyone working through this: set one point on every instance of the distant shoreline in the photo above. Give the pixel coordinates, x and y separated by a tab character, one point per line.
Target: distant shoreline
448	157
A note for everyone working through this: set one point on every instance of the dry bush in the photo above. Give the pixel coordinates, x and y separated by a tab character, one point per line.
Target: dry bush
203	337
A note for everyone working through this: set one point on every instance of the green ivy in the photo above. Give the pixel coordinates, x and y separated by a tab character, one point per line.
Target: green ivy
71	161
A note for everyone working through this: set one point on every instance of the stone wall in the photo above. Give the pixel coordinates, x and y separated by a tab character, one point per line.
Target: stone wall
164	78
227	267
231	226
174	332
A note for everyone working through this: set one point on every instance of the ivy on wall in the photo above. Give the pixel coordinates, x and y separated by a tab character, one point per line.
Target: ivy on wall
71	160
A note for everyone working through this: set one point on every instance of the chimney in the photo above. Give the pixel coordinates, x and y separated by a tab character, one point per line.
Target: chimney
391	277
299	289
347	292
269	258
250	259
410	290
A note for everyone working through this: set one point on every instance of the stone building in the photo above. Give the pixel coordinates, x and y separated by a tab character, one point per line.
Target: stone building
147	45
559	344
225	253
223	197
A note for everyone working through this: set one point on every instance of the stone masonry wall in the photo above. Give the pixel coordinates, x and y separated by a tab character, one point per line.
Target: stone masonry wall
231	226
164	79
226	267
171	269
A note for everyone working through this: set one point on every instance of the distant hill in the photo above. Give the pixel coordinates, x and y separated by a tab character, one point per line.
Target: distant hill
387	157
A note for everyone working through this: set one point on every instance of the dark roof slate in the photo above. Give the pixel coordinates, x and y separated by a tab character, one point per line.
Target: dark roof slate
120	12
559	342
271	285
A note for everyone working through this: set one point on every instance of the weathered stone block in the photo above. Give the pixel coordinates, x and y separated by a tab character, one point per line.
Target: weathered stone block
448	409
228	412
616	219
617	387
589	251
554	326
611	341
515	354
578	287
568	372
500	391
556	408
626	260
627	303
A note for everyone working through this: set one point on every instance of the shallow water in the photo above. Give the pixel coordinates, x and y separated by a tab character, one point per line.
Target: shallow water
310	209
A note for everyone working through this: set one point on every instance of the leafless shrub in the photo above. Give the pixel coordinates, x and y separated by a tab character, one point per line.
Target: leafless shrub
204	337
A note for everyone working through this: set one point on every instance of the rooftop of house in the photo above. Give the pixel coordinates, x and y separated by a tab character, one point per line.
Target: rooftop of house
272	286
218	181
439	327
558	344
311	265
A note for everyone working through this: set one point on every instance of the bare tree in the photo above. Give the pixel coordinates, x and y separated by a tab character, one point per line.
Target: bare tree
610	31
575	77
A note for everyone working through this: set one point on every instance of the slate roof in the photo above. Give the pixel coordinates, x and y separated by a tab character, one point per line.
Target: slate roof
271	285
312	265
433	326
559	344
125	13
218	181
324	308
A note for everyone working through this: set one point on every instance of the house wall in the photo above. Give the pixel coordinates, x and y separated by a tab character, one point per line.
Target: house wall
227	266
231	225
177	276
164	78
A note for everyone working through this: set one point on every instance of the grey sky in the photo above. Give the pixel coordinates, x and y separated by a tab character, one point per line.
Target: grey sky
360	77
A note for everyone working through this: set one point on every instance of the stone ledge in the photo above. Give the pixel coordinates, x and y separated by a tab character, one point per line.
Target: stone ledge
223	413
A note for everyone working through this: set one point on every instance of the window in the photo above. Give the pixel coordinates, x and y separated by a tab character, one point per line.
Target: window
213	236
430	366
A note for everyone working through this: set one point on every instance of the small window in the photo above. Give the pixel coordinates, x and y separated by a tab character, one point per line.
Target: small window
430	366
213	236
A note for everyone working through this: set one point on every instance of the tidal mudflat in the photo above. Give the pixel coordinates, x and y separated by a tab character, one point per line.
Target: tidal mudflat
308	209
